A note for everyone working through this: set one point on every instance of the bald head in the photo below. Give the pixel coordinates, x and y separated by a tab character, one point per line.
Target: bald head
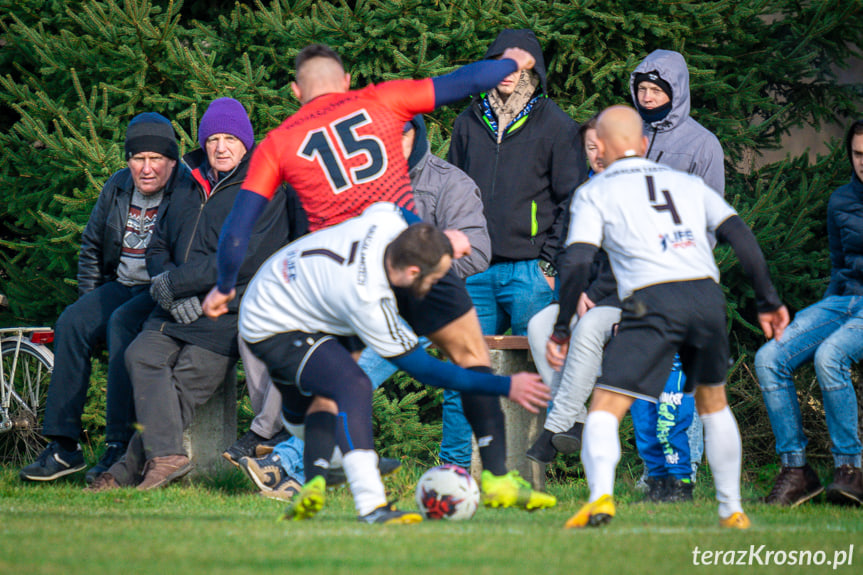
319	71
619	131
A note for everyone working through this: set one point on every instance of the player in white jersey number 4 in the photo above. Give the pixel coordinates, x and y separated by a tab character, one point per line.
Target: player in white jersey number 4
655	223
297	316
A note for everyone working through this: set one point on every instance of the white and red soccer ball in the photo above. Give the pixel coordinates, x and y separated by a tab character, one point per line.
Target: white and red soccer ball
447	492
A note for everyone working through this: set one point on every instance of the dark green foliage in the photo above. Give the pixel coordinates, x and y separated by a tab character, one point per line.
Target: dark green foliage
407	419
72	74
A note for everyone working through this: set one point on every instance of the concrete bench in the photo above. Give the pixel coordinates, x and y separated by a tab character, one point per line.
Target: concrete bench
511	354
213	429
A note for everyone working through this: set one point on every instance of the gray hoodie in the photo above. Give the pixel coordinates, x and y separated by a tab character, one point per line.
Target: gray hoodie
447	198
677	140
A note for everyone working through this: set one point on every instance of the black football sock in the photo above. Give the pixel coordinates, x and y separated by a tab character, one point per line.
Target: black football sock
320	442
486	419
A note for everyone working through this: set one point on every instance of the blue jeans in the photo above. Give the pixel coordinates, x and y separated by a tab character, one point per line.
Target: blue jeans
661	428
830	332
506	295
291	453
113	313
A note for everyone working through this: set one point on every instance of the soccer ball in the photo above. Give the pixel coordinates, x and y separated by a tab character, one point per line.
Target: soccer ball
447	492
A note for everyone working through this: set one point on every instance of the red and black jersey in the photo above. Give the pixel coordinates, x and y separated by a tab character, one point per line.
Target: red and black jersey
342	152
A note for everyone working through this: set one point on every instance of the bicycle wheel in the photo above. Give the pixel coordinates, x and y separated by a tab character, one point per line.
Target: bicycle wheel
28	387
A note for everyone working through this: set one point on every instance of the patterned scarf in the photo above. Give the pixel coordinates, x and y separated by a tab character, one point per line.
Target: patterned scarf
509	111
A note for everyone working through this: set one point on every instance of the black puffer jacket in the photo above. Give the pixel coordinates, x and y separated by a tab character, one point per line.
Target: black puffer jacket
185	244
102	240
526	179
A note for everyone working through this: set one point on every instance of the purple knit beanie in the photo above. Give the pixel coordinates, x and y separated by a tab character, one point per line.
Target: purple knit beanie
226	116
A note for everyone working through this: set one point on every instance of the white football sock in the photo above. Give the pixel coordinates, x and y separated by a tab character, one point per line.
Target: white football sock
361	469
600	452
724	454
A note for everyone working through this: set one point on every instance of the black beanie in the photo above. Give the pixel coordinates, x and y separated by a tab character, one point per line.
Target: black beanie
654	77
151	132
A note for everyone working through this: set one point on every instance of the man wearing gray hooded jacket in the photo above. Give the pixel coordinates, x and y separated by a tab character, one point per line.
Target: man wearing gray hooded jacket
660	92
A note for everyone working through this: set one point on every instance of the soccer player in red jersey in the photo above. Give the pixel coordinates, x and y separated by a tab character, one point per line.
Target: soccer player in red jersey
341	152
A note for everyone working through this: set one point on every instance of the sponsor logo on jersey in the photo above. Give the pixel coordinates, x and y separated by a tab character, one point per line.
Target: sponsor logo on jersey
363	272
289	266
677	239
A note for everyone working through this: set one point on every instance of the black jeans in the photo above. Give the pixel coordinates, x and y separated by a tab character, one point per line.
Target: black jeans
113	313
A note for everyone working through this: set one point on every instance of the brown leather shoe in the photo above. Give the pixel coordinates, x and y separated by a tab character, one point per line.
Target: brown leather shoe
160	471
847	486
794	485
103	482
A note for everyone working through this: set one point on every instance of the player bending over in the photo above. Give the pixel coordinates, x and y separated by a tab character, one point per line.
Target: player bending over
336	283
653	221
341	151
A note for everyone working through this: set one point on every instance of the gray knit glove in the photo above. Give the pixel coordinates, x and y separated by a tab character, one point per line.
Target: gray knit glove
162	290
186	310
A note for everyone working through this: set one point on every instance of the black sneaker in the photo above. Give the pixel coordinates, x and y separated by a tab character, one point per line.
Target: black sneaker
677	490
569	441
542	451
386	466
794	485
253	445
655	489
243	447
53	463
113	452
388	515
266	447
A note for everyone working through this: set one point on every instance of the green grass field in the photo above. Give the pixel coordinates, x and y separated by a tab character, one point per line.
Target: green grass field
223	526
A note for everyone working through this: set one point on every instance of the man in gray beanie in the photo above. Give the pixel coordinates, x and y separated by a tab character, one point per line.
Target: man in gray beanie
113	298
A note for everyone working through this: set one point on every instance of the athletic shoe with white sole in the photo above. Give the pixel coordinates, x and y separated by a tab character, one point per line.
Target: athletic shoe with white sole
511	490
387	514
308	501
54	462
285	490
265	472
594	514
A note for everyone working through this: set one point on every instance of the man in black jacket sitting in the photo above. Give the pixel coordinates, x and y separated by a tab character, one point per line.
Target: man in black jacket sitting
113	300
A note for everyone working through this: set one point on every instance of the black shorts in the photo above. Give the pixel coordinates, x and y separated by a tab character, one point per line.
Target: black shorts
446	302
659	321
286	355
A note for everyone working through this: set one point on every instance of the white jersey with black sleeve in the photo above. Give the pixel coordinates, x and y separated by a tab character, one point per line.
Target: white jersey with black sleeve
652	220
332	281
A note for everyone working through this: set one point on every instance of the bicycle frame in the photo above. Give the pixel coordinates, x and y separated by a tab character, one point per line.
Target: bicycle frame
38	336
